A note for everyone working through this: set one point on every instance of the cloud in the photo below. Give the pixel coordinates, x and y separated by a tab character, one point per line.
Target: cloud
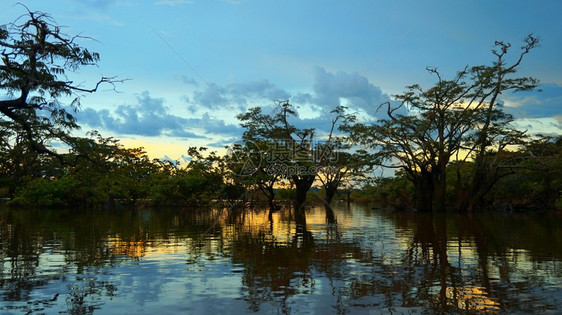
189	80
224	143
342	88
214	126
536	104
237	96
328	91
551	126
150	117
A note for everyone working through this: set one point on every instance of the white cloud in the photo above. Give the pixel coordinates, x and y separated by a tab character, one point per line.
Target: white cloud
545	102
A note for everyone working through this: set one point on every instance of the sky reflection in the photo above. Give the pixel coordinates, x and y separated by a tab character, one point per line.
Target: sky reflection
127	261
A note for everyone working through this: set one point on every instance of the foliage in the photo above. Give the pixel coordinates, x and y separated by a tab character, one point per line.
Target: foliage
294	154
292	150
395	191
251	167
37	59
200	183
459	119
42	192
537	183
286	194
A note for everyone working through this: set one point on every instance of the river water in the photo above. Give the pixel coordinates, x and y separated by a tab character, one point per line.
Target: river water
360	260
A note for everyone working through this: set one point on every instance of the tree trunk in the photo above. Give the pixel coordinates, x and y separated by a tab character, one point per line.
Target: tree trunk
484	178
330	192
302	185
270	202
440	189
424	190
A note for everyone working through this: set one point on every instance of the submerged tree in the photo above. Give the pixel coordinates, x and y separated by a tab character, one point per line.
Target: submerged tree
492	134
459	119
340	165
291	147
293	154
36	59
249	169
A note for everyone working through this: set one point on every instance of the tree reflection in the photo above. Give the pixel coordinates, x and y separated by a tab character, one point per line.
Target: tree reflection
354	259
41	247
479	279
330	215
277	269
273	269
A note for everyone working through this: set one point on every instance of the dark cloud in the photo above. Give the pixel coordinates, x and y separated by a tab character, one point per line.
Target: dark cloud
237	96
328	91
547	102
258	89
150	117
213	97
214	126
302	98
330	88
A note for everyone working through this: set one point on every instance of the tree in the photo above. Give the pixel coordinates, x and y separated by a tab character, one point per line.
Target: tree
249	168
537	183
292	153
346	169
458	119
36	58
339	163
291	147
492	135
200	183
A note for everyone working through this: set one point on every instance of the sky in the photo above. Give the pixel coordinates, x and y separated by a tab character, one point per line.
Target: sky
192	66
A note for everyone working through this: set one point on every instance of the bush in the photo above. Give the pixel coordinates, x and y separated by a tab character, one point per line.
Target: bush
43	192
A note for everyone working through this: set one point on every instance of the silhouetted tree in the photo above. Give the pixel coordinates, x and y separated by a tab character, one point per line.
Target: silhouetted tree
36	60
459	119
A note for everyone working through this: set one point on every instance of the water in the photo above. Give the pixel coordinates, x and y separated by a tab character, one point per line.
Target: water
367	262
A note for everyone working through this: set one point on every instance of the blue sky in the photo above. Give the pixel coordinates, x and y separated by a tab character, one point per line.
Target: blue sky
194	65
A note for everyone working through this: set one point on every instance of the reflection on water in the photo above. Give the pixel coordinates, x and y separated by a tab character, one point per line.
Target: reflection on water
353	260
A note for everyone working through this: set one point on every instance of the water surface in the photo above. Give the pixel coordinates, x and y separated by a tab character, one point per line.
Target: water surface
361	260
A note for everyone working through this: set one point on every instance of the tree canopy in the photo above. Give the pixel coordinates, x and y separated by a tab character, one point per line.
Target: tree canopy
458	119
37	57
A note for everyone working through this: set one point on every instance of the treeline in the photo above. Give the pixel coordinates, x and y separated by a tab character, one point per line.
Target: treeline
104	173
451	145
532	182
